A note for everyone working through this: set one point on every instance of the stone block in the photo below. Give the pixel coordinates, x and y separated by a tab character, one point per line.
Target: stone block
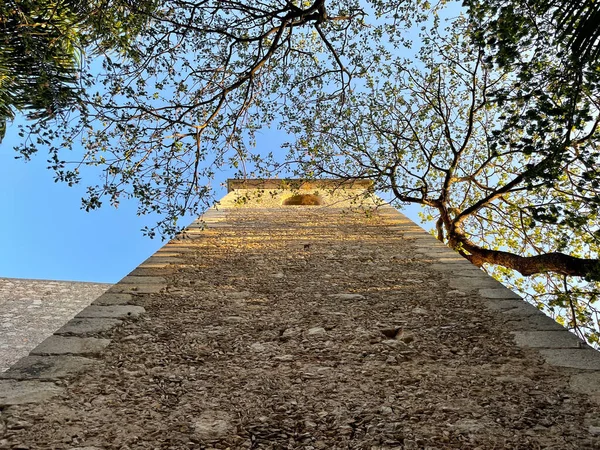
499	293
163	260
547	339
87	326
586	383
47	367
536	322
113	299
460	269
13	392
473	283
112	312
61	345
583	358
128	288
428	242
176	248
152	271
516	308
506	305
142	280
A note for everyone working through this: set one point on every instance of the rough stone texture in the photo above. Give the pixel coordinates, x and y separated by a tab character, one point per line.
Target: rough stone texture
13	392
584	358
31	310
143	280
113	299
47	367
314	327
586	383
129	288
61	345
547	339
536	321
499	293
110	312
88	326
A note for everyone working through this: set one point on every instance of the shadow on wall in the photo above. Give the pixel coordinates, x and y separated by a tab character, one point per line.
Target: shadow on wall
303	200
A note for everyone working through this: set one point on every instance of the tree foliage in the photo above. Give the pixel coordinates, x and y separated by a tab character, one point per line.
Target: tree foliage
42	49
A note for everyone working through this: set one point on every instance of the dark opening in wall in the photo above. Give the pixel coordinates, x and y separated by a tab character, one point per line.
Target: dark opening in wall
303	200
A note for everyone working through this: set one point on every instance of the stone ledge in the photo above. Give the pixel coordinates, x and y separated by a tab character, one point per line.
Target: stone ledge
537	322
61	345
547	339
87	326
111	312
130	288
113	299
586	383
514	308
14	392
499	293
143	280
47	367
463	270
473	283
584	358
162	260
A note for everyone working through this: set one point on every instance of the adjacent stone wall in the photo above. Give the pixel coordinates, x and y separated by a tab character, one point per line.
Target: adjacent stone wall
31	310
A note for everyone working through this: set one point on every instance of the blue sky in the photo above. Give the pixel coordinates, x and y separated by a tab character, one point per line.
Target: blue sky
45	235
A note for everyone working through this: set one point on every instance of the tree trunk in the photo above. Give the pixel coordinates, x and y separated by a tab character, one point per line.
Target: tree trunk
530	265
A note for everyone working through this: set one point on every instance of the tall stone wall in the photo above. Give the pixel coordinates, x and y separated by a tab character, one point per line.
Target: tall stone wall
321	326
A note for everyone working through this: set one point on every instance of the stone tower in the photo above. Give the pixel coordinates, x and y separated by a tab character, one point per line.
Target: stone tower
305	315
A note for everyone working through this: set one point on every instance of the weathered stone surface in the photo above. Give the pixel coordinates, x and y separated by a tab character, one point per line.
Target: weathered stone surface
499	292
316	331
87	326
178	249
460	269
508	304
586	383
212	425
113	312
113	299
584	358
537	321
347	296
162	260
61	345
473	283
13	392
47	367
128	288
142	280
519	308
547	339
430	244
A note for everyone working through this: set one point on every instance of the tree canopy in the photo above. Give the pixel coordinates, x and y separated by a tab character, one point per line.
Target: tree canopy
43	45
490	123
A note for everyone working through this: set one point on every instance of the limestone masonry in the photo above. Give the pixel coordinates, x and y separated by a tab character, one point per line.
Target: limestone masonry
304	315
31	310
